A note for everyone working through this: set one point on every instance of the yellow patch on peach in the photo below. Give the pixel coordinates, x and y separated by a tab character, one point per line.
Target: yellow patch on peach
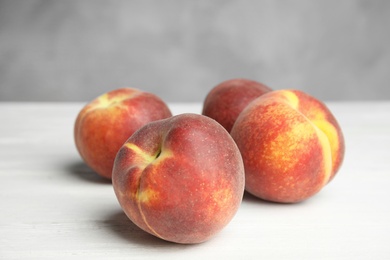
146	195
327	154
330	131
107	100
104	100
222	200
163	154
142	156
145	157
292	98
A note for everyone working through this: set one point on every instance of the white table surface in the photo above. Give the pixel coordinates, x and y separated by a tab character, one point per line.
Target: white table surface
54	207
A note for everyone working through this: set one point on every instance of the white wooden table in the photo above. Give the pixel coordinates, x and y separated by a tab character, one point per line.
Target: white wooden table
54	207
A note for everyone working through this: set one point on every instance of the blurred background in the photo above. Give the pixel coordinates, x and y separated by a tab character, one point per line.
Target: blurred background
75	50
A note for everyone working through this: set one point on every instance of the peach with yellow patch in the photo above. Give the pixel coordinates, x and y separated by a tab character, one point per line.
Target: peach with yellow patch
105	123
180	179
291	144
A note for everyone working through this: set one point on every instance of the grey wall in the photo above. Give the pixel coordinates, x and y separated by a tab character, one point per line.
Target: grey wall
75	50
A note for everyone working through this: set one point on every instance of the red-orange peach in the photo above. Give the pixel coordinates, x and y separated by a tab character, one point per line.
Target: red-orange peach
180	179
291	144
105	123
226	100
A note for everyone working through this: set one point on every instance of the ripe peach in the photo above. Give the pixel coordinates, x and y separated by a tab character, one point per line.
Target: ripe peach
105	123
291	145
180	179
226	100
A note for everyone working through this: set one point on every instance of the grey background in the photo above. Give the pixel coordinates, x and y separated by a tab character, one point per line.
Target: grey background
76	50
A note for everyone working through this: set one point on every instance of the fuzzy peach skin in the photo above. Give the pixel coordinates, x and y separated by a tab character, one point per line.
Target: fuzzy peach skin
180	179
105	123
226	100
291	144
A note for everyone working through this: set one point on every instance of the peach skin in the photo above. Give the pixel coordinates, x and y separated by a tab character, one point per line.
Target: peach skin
180	179
104	124
291	144
226	100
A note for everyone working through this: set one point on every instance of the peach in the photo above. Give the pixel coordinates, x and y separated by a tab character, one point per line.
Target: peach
226	100
291	144
180	179
105	123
